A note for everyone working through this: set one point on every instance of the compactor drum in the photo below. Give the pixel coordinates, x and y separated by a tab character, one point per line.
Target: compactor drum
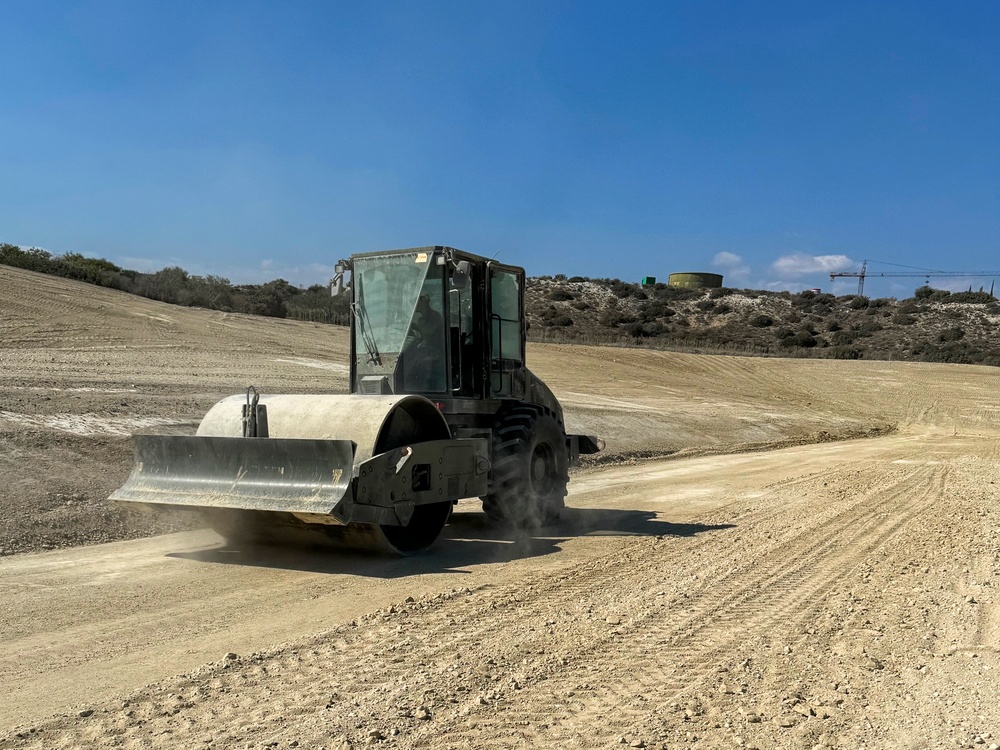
441	408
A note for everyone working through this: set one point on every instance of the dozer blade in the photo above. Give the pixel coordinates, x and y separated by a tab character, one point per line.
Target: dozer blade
276	474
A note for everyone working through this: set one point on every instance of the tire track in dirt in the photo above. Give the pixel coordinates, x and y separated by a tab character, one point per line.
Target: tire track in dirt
658	661
581	658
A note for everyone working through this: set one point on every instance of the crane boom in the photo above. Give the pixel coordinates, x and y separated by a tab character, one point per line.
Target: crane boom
864	273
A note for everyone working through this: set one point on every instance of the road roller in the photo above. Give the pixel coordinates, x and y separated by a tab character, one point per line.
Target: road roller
441	407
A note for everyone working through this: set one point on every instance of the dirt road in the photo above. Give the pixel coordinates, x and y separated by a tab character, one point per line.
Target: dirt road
782	598
838	594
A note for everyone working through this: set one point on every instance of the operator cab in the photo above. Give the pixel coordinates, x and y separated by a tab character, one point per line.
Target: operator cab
437	322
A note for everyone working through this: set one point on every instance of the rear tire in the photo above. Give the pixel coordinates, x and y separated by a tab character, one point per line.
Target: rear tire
530	469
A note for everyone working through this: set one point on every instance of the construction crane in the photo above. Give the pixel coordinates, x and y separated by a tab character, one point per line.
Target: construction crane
924	272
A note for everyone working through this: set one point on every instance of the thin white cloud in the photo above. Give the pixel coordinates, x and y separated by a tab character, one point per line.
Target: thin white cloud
843	287
959	284
800	264
732	266
781	286
145	265
301	275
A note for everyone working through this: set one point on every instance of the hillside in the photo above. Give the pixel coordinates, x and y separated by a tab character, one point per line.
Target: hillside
933	326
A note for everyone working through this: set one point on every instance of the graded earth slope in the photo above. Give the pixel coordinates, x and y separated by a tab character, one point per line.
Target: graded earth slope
836	594
82	367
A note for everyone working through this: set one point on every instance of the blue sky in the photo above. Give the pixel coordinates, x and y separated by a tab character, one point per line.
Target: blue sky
772	142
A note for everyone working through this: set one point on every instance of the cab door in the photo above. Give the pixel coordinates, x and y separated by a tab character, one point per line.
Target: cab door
507	333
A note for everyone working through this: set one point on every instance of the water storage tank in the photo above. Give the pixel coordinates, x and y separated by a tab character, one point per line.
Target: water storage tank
696	280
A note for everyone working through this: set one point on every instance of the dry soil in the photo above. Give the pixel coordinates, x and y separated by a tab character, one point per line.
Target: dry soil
773	553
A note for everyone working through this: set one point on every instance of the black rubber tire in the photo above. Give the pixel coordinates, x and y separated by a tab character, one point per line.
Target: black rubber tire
530	469
424	528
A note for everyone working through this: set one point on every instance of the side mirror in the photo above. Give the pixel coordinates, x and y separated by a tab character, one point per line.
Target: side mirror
460	278
337	285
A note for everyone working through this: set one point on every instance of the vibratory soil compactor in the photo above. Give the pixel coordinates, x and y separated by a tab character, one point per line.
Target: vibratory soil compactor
441	407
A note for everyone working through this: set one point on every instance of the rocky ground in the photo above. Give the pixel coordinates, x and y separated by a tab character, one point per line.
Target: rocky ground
768	585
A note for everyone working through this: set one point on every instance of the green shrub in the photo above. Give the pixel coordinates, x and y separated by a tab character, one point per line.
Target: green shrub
620	289
972	297
721	292
845	352
844	338
951	334
799	338
930	294
613	318
31	259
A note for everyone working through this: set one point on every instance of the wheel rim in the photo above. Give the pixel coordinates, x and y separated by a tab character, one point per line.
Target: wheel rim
542	469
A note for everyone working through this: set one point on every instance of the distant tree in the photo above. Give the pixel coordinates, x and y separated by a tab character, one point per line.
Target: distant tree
269	299
316	304
93	270
212	292
32	259
165	285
